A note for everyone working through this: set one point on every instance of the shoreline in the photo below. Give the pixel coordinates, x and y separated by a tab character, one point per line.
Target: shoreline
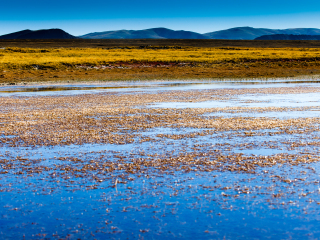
26	77
131	83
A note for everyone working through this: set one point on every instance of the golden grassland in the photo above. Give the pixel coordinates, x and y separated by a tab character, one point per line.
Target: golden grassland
24	58
154	62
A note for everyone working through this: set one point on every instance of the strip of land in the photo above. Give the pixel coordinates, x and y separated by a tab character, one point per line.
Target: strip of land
84	60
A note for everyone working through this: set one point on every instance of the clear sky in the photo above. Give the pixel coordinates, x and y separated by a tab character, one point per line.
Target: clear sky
84	16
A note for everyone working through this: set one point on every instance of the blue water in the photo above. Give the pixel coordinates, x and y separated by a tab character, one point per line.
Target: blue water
278	202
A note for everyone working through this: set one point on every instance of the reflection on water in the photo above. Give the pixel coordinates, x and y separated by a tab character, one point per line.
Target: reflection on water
253	101
80	88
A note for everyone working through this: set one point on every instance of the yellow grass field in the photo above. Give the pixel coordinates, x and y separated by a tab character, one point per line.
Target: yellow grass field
24	58
154	62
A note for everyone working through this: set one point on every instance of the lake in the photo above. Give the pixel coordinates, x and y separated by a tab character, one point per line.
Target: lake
160	159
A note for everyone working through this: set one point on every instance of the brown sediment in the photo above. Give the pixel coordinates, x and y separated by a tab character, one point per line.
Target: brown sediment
167	71
117	119
102	118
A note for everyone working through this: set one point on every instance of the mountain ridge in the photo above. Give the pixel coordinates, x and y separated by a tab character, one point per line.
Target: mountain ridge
238	33
54	33
250	33
151	33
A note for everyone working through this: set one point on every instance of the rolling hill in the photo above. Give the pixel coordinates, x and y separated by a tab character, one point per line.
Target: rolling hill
152	33
239	33
249	33
39	34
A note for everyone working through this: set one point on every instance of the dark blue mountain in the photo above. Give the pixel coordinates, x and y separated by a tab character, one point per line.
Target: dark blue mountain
39	34
249	33
288	37
152	33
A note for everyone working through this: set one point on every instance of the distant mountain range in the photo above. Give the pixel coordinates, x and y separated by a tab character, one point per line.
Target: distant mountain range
249	33
155	33
39	34
239	33
288	37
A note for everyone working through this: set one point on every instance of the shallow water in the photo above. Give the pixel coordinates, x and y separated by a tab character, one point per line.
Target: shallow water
127	86
270	100
88	190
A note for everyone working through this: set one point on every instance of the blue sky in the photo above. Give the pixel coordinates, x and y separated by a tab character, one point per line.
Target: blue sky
81	17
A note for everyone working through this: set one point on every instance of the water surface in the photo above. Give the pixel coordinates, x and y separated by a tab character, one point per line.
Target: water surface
175	180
